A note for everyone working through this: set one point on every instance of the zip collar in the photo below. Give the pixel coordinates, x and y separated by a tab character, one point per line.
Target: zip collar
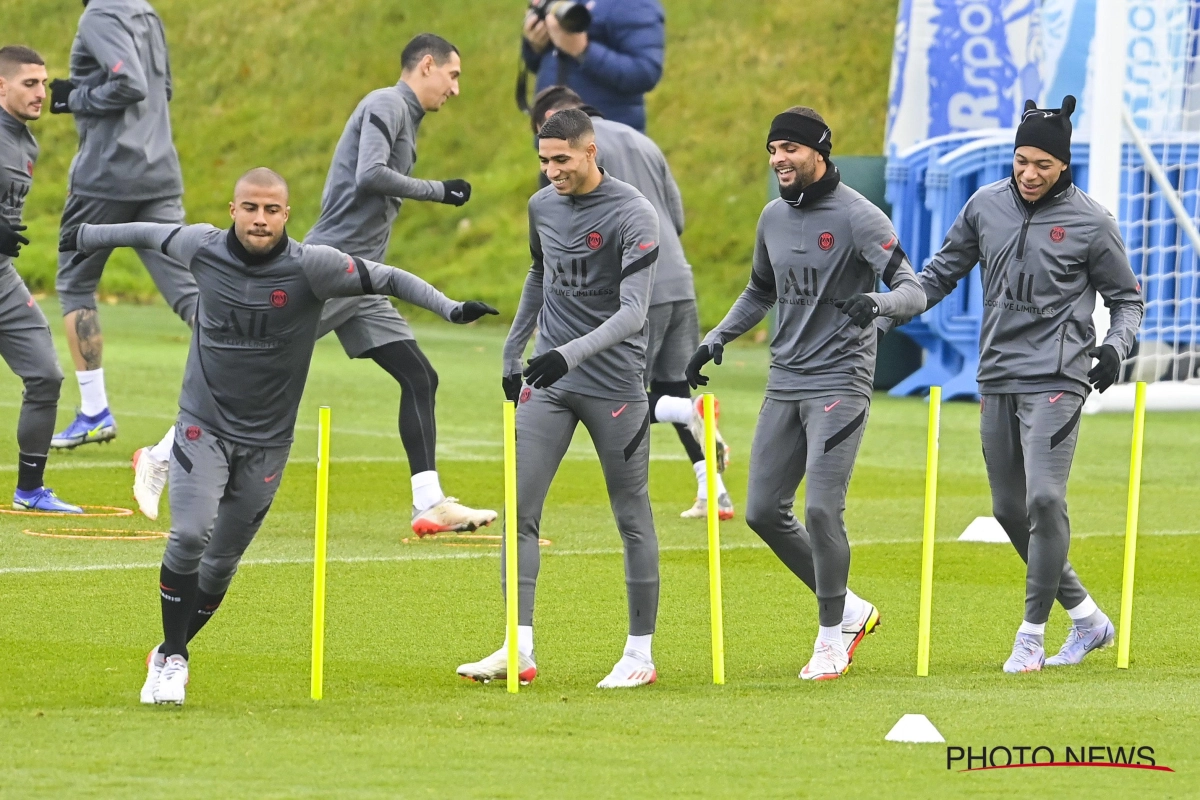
251	259
12	124
415	109
1060	187
817	189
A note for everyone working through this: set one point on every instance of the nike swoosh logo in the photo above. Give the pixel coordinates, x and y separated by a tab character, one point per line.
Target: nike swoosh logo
165	588
270	478
95	430
889	244
617	413
830	407
1055	398
457	194
645	246
30	303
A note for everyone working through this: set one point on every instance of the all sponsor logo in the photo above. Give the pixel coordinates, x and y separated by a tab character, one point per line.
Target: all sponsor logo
1057	234
279	297
825	240
192	433
804	286
594	240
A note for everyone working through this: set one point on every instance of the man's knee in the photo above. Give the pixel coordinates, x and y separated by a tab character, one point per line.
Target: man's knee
217	573
72	301
1046	502
823	518
765	515
185	549
44	389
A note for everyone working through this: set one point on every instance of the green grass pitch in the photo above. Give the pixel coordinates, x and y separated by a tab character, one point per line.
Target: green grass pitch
77	617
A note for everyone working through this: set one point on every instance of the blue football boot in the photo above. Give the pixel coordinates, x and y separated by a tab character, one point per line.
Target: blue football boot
1081	641
85	429
42	499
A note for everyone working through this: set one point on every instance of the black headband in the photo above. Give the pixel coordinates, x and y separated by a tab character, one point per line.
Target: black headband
792	127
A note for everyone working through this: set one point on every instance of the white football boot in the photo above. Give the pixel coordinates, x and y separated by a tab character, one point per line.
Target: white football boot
827	662
154	665
149	480
632	670
172	681
450	516
495	668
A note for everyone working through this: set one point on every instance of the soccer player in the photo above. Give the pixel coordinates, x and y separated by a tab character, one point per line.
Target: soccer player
820	247
126	170
25	342
261	295
368	180
674	325
1046	250
594	241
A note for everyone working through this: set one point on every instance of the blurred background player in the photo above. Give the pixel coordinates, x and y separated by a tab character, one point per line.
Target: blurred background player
368	180
594	242
25	342
821	246
674	323
1046	249
261	300
126	170
611	64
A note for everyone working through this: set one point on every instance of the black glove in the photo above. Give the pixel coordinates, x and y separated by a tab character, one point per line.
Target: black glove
1108	368
456	192
11	238
60	96
861	309
705	354
512	387
471	311
68	239
546	369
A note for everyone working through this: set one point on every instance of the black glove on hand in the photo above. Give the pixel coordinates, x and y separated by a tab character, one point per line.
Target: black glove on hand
861	309
11	238
456	192
68	239
1106	372
546	369
512	387
704	354
60	96
471	311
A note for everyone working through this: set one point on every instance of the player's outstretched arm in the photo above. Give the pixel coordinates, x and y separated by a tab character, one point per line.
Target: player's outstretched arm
958	255
179	242
381	127
331	273
1112	276
876	243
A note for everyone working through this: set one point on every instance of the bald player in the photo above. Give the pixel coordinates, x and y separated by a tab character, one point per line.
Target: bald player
261	296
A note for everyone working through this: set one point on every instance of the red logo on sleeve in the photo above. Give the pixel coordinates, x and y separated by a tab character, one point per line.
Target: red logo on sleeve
888	244
594	240
29	168
279	298
349	265
825	240
1058	234
192	433
117	66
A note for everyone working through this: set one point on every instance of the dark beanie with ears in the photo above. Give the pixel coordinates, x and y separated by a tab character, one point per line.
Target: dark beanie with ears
1047	129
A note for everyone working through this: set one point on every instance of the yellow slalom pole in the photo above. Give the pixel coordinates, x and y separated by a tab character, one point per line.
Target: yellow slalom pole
318	636
714	540
1131	525
510	543
931	476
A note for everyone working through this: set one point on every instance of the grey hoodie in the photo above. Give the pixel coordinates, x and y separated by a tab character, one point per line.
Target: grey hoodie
1042	266
123	86
18	155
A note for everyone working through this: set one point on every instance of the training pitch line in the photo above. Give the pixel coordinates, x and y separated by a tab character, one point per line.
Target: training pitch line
495	553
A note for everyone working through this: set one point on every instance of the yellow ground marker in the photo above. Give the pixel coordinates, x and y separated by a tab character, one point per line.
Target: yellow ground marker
1124	631
931	476
318	638
510	544
714	540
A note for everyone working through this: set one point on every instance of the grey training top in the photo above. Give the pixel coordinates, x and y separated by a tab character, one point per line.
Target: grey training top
123	86
369	175
631	156
832	244
1042	267
588	289
18	155
256	322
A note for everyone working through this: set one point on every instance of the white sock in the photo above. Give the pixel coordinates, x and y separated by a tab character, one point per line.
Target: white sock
702	481
426	490
162	450
524	640
639	645
1083	610
674	409
854	608
832	635
92	397
1031	629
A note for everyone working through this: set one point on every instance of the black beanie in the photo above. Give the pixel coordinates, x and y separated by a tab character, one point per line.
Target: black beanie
1047	129
792	127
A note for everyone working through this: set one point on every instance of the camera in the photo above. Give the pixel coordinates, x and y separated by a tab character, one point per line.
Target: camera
573	17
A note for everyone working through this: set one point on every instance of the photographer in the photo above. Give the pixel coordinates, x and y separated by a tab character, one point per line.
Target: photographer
611	65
